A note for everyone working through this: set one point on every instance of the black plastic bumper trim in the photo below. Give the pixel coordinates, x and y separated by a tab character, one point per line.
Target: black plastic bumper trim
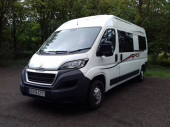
123	77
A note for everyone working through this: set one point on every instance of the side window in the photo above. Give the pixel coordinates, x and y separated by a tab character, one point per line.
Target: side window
110	36
125	41
142	43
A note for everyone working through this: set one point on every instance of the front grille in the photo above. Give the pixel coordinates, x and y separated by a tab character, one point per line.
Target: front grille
41	77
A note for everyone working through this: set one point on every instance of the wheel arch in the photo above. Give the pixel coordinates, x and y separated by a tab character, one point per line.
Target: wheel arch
144	66
102	78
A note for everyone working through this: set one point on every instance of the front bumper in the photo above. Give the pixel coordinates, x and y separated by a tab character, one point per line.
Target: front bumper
68	86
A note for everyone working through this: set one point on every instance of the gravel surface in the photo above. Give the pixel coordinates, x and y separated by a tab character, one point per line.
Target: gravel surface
131	104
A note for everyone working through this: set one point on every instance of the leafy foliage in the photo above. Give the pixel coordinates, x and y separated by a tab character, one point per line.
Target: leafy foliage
25	25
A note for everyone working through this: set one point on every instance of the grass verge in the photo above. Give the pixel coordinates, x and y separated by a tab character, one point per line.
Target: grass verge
158	71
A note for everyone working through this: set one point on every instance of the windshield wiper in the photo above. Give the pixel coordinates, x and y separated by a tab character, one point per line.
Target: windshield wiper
78	50
58	52
63	52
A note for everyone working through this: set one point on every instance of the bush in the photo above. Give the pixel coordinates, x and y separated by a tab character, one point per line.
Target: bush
163	59
9	55
25	55
6	55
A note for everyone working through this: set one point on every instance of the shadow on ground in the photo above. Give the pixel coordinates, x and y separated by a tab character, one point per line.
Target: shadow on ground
78	108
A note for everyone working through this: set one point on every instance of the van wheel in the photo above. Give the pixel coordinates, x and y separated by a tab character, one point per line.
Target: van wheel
96	94
141	76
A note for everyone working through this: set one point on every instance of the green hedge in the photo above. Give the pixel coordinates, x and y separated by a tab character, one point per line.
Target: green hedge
163	60
9	55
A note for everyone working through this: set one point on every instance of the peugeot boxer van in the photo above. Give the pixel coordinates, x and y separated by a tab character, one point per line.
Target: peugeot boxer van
84	58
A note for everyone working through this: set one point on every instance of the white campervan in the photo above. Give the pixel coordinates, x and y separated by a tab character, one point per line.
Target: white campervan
84	58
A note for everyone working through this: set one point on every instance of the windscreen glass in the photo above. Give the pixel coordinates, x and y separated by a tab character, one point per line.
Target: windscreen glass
70	40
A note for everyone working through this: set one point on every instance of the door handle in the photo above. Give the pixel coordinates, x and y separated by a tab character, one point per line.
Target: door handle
116	58
121	57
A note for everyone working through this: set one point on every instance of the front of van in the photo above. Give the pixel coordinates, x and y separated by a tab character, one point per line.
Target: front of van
54	71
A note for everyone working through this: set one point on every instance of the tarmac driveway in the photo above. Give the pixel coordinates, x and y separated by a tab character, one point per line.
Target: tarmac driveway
131	104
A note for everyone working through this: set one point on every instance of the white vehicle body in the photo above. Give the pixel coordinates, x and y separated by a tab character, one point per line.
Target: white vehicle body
124	64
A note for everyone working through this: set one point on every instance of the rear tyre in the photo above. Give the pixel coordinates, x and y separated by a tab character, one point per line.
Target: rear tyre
96	94
141	76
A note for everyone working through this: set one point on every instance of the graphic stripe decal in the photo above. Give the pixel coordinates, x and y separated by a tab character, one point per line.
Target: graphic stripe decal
129	57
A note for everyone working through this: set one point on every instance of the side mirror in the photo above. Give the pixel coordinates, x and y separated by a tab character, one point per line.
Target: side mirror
105	49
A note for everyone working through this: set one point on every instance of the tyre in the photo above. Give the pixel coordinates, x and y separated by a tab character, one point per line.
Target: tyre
96	94
141	76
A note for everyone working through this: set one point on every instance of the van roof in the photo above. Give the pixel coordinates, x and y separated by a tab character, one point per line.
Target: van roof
102	21
98	20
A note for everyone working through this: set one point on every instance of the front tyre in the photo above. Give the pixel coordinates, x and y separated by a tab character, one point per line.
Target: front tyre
96	94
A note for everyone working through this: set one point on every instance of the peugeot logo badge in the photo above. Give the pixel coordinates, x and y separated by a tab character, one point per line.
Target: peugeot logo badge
40	68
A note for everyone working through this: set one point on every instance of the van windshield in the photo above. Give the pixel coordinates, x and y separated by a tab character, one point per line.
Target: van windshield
70	40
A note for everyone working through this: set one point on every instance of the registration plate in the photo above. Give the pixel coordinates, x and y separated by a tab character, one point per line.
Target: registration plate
37	92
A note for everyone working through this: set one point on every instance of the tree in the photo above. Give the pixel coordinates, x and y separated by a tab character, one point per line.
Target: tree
4	12
16	20
26	25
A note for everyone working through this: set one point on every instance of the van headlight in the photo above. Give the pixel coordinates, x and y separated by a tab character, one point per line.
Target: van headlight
76	64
